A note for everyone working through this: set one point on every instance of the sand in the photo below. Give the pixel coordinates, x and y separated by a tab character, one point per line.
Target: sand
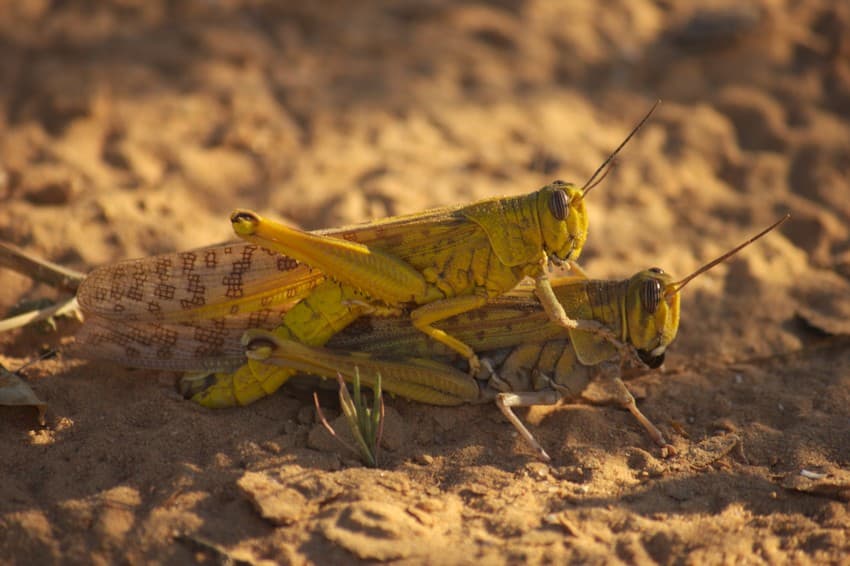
133	128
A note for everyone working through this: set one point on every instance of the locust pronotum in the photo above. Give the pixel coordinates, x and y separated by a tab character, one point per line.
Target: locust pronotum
180	310
544	367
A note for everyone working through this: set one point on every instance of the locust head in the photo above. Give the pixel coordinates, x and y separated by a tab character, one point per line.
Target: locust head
652	305
652	314
560	208
563	220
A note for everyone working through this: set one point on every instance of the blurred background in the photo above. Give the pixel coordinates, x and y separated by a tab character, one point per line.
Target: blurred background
133	127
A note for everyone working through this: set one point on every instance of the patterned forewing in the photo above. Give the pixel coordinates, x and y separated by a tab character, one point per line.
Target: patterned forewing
210	346
223	281
229	280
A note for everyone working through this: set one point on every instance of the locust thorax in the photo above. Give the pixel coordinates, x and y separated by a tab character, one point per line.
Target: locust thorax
652	314
563	220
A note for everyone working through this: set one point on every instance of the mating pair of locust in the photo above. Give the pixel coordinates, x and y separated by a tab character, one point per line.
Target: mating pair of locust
440	272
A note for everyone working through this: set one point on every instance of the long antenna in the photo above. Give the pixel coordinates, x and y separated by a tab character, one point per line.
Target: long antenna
590	182
674	288
601	178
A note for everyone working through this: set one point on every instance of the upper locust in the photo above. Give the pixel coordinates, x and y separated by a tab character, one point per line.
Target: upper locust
444	262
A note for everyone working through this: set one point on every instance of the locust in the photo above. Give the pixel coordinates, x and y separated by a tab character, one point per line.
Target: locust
180	311
538	362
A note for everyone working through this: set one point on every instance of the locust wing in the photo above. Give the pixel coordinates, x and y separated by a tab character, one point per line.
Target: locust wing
188	310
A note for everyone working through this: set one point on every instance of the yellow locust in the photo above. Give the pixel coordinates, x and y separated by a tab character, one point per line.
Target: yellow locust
163	310
537	362
308	286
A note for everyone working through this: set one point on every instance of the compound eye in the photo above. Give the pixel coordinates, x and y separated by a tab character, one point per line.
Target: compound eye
657	270
650	294
559	205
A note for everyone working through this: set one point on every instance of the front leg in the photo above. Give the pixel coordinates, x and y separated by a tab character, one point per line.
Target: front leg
546	295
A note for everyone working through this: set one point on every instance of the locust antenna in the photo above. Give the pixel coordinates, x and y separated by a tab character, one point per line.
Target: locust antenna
674	288
601	177
590	182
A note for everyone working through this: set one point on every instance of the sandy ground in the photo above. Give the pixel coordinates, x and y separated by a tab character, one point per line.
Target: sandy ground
134	127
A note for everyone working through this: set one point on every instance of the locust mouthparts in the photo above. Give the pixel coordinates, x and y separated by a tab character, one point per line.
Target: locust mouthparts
653	359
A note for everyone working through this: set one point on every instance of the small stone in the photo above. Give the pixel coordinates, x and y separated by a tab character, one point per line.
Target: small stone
51	193
423	459
725	425
395	435
644	463
276	503
306	415
320	439
712	449
537	470
374	530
